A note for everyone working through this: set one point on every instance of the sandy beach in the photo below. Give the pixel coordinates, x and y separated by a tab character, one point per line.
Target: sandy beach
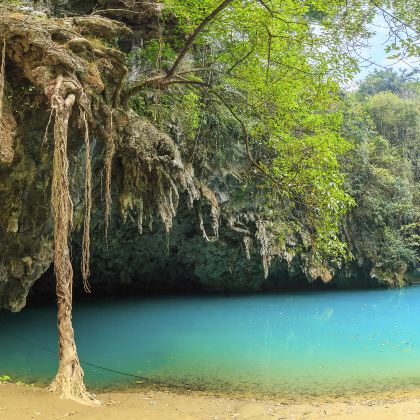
21	402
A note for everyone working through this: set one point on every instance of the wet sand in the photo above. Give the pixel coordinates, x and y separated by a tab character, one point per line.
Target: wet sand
20	402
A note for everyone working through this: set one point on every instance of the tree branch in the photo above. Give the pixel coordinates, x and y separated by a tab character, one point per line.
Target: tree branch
240	61
194	35
187	82
385	12
236	117
270	40
275	15
161	80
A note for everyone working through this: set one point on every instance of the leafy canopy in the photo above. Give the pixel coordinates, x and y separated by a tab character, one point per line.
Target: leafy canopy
383	173
274	66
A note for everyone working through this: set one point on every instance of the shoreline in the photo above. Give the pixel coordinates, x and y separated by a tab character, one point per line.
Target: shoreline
292	397
20	402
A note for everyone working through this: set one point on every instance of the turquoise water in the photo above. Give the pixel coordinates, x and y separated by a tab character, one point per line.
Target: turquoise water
306	343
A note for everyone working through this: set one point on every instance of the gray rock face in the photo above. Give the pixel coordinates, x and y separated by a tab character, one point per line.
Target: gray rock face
190	253
190	257
25	222
218	240
26	235
183	260
195	255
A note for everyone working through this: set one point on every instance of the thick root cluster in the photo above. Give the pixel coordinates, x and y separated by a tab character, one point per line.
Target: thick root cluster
68	383
54	57
262	237
7	132
7	122
155	176
69	380
82	83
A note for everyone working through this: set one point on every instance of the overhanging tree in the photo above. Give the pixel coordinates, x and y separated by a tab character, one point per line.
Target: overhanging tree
273	65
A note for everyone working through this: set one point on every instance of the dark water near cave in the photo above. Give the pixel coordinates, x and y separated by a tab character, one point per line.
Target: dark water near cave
306	343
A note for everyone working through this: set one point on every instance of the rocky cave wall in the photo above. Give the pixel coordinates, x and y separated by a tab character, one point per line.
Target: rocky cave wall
216	243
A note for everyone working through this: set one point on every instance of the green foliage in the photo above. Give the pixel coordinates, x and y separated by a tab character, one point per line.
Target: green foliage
384	227
5	378
403	21
388	81
260	83
309	170
13	2
398	120
153	55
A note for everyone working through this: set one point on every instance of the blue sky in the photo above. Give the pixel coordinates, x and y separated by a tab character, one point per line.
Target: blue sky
376	52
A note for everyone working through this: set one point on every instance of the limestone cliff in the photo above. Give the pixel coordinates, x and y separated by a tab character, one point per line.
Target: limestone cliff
160	219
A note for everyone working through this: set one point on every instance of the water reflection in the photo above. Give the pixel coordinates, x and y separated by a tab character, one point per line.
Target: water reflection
305	342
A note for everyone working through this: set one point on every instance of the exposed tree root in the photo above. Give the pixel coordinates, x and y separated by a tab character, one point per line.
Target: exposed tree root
57	58
109	156
68	382
154	175
247	240
208	194
2	80
262	237
7	122
88	202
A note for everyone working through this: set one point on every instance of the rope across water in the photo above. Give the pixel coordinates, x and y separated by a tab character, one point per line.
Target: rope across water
31	343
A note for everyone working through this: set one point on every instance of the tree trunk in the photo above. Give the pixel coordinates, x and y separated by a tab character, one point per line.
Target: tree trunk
68	382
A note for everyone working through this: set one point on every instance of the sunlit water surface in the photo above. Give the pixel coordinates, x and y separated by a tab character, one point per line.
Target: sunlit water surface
309	343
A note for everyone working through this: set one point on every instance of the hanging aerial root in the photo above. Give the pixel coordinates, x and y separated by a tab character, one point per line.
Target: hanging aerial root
45	138
261	235
2	79
88	205
109	155
209	195
166	197
201	224
68	383
7	122
247	241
